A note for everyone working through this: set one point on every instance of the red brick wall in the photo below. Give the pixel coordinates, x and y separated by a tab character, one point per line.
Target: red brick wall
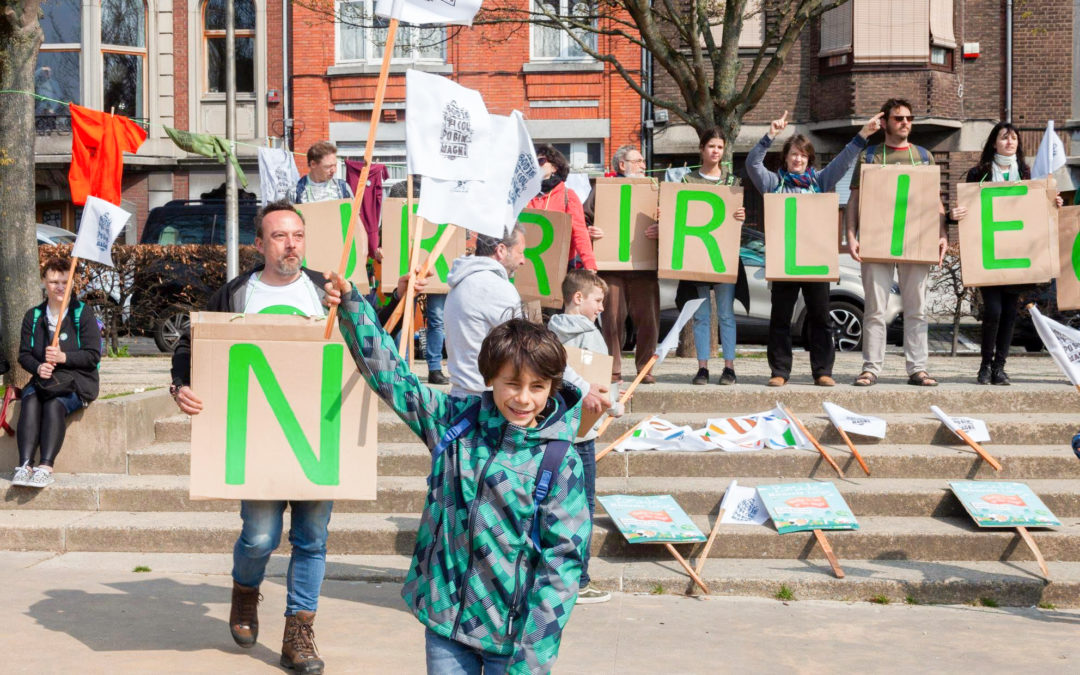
180	63
135	187
1042	79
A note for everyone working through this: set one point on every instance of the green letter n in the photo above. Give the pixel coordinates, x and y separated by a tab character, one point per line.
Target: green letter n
323	470
703	232
990	227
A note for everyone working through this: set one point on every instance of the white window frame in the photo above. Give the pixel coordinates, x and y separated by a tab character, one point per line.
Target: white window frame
565	43
579	153
142	52
369	56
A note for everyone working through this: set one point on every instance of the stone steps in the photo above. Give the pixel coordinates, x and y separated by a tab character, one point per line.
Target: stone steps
867	497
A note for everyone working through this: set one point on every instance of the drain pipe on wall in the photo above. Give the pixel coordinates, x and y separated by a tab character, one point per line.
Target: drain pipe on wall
286	90
1008	60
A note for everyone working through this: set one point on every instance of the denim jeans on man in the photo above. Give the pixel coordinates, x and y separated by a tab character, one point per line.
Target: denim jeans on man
435	334
261	534
725	314
446	657
587	451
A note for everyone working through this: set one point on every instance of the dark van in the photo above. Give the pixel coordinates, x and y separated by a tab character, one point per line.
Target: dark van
198	221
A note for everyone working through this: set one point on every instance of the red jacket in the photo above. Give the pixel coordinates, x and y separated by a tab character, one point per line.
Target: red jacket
565	200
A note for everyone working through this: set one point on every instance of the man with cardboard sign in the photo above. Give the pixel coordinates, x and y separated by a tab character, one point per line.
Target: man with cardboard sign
1005	235
1068	280
699	235
255	393
397	233
547	245
328	222
625	232
895	210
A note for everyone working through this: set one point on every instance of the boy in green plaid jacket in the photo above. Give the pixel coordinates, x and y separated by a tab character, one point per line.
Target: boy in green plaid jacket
492	591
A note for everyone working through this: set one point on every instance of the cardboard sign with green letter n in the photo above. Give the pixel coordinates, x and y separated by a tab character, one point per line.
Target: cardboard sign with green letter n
397	232
1007	236
286	414
1068	280
899	213
699	236
326	225
800	237
547	247
625	209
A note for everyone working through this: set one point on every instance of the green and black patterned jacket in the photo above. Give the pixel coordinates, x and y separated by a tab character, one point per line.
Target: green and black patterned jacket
475	577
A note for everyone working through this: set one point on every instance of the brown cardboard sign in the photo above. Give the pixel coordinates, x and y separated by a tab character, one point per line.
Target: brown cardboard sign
699	236
799	231
625	208
327	224
596	369
397	233
547	248
286	413
900	213
1068	280
1006	236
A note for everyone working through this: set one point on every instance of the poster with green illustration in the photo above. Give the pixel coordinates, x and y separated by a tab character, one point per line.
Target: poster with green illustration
999	504
651	519
798	507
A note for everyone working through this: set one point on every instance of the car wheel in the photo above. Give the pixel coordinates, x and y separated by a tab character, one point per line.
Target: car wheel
847	321
170	326
1033	346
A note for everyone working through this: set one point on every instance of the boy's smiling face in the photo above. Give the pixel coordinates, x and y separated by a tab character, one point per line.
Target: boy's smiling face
590	304
520	396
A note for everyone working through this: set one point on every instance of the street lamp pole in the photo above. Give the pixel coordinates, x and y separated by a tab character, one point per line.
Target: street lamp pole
232	227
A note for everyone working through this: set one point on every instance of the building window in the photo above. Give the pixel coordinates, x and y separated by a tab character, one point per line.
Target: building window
549	42
361	37
753	28
123	56
582	154
57	76
884	32
214	45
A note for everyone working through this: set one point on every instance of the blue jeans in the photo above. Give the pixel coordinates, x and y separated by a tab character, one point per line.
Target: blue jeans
435	333
261	534
71	402
725	312
446	657
587	451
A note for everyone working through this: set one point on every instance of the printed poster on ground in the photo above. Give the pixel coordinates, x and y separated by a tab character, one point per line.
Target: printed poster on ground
651	519
1002	504
799	507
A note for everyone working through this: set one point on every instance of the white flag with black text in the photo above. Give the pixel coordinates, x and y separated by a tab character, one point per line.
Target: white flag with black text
101	224
447	129
420	12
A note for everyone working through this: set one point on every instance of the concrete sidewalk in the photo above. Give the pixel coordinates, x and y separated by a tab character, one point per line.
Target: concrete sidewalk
91	613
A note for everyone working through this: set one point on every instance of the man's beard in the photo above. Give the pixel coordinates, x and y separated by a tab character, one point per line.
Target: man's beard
287	269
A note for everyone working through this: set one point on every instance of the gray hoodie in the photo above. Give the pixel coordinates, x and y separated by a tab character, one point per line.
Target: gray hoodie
575	330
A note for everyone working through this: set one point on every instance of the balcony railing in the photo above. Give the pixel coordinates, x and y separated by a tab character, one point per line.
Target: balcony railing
49	124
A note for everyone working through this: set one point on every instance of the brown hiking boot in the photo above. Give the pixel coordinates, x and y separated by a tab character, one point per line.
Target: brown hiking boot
298	650
244	615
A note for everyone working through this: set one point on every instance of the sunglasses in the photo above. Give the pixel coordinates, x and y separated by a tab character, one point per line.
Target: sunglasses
904	118
541	161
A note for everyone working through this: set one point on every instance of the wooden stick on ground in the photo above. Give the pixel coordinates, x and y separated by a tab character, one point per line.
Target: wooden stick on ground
979	449
686	566
369	150
802	428
603	453
837	570
628	393
1030	541
704	555
851	446
436	251
64	303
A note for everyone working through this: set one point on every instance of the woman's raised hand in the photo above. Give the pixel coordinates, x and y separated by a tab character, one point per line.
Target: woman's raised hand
778	125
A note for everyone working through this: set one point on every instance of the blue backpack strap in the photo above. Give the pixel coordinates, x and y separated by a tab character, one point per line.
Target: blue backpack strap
33	325
924	154
300	185
464	423
76	315
554	454
346	191
868	157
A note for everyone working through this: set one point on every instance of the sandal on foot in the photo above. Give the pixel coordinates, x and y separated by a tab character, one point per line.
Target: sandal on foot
865	379
922	379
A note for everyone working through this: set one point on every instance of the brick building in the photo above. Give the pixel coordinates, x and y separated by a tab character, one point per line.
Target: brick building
860	54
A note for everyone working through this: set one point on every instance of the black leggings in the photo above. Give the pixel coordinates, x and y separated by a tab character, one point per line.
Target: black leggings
44	423
999	317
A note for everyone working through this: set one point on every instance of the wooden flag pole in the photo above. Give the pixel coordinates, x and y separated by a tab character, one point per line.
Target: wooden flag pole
603	453
704	555
628	393
369	151
851	446
414	255
64	303
837	570
802	428
1030	541
436	251
686	566
979	449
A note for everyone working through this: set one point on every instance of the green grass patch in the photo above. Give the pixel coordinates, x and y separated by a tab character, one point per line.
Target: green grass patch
658	589
784	593
988	602
910	600
880	600
1046	605
141	568
121	353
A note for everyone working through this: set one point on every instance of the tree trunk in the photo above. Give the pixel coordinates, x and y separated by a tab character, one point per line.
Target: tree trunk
20	37
957	313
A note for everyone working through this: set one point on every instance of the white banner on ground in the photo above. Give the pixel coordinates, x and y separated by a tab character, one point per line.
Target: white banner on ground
421	12
1062	342
101	224
447	129
975	429
730	434
742	506
799	439
854	423
671	341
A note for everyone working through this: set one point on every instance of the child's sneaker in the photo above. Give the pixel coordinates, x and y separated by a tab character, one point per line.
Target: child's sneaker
592	596
40	478
22	475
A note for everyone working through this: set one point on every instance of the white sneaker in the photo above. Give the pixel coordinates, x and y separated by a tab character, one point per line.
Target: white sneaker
22	475
41	478
592	596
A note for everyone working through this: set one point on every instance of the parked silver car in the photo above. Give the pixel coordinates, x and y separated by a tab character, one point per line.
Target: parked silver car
846	302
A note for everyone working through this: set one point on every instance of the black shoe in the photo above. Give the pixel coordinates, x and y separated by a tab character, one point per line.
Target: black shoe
984	374
702	376
728	376
437	377
999	377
